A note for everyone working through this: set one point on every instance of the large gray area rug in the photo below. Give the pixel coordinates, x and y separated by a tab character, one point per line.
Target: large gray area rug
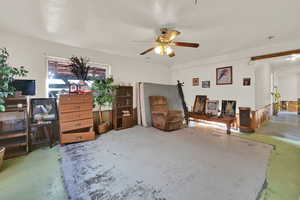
148	164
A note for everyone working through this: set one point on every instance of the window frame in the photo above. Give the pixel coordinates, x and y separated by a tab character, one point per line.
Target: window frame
107	68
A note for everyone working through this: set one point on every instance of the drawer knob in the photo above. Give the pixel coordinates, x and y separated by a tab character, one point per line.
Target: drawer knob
78	124
78	137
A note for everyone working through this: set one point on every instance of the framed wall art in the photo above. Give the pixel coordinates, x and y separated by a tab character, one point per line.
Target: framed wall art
224	76
205	84
246	81
195	81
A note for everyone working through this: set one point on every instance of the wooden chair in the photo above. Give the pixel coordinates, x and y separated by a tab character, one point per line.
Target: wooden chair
162	117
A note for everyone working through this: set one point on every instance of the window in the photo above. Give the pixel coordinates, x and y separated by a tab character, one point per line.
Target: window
60	75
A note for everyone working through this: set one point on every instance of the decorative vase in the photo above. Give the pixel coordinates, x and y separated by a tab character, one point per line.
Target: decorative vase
2	151
82	86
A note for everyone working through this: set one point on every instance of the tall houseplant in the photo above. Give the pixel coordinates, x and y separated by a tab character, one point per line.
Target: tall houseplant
103	95
7	76
276	100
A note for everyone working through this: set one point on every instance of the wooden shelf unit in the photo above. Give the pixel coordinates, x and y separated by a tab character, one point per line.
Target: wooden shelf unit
14	130
76	118
123	102
298	106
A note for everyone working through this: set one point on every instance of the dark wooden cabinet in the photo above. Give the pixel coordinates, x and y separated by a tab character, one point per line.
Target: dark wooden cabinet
123	107
14	128
245	120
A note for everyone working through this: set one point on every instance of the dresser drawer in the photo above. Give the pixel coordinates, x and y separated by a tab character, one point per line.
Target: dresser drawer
74	125
75	116
77	137
68	99
75	107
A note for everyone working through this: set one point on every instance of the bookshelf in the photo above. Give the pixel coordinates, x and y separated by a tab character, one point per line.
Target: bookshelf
14	127
123	107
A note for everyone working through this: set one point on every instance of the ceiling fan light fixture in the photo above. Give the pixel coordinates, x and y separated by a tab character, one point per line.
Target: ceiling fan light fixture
169	50
158	50
165	42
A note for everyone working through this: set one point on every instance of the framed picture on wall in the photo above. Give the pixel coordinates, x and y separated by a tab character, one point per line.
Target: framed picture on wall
247	81
205	84
224	76
195	81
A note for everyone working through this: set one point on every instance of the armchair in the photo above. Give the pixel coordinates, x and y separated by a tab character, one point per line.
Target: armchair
162	117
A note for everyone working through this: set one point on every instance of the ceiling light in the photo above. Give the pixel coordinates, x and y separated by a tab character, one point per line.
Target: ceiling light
169	50
158	50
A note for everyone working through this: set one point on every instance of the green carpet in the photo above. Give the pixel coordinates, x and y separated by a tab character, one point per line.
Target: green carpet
283	175
36	176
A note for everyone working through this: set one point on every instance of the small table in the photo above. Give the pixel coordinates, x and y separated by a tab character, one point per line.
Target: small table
37	137
224	120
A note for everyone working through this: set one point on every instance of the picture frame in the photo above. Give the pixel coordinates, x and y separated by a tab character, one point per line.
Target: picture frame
246	81
228	108
212	107
43	109
205	84
73	88
224	76
200	104
195	82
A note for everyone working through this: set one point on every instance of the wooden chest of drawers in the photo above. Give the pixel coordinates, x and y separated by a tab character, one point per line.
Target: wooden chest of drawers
76	118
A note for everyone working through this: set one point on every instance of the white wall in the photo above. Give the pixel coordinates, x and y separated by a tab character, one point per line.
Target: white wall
288	87
262	85
244	95
32	53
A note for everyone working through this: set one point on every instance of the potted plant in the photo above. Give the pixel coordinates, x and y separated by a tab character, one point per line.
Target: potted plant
103	96
276	98
7	76
80	68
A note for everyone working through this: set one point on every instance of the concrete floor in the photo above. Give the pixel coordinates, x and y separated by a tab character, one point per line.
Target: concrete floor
191	163
286	125
36	176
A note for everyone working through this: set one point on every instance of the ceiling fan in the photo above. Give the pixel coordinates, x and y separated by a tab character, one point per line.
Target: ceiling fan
165	42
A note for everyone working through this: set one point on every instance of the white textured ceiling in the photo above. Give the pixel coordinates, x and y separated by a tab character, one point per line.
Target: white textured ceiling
114	26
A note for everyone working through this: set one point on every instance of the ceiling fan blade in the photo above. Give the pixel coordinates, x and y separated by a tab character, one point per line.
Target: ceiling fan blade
147	51
172	54
185	44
